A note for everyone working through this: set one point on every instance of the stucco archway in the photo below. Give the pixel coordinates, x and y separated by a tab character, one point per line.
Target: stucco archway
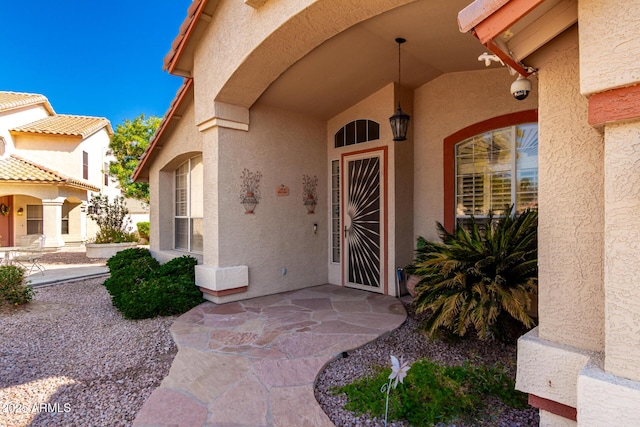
296	37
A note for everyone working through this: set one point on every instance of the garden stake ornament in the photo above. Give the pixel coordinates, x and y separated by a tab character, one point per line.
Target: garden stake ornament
398	373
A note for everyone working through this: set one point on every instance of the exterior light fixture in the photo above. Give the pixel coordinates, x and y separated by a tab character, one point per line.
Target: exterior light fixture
400	120
20	211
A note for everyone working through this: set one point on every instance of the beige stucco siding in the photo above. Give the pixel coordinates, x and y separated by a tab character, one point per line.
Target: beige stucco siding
442	107
609	47
13	118
186	142
622	250
282	146
570	230
66	154
244	50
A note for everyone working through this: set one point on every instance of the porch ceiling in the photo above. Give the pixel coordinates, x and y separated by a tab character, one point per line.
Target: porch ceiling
364	58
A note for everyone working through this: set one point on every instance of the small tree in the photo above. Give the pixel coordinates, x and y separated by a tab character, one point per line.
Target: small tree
128	143
111	219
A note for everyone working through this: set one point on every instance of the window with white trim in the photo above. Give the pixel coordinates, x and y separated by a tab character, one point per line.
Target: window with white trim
496	169
85	165
188	223
34	219
64	226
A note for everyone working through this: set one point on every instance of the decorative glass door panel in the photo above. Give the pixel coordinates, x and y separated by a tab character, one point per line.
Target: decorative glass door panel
363	221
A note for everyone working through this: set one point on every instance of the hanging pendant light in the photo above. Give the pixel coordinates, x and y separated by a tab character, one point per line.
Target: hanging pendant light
400	120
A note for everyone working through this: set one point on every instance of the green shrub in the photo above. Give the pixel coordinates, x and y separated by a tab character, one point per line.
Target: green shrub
160	296
181	266
124	280
13	288
143	229
125	257
433	393
480	279
141	288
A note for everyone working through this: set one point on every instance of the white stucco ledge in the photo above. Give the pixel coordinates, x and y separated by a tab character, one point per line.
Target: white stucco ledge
218	282
621	407
549	370
106	250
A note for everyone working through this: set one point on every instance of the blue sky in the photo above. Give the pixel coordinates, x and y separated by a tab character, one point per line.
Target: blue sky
94	58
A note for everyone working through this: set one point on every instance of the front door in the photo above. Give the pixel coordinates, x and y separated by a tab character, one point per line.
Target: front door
364	219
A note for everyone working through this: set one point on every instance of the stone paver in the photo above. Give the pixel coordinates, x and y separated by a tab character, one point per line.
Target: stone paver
254	363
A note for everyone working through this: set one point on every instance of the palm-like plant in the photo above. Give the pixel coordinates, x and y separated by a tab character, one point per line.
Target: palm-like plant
476	276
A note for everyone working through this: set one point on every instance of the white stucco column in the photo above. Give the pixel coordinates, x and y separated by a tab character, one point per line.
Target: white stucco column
52	220
609	387
622	250
570	246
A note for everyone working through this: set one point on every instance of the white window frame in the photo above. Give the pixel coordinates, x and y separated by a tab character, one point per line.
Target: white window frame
189	217
487	191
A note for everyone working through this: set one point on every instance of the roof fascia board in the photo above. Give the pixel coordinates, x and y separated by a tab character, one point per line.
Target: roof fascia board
500	20
200	17
545	28
164	124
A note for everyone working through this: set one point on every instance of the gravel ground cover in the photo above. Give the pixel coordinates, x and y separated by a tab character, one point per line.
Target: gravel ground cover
409	343
69	358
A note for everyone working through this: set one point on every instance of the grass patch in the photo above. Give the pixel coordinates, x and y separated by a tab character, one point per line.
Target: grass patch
433	393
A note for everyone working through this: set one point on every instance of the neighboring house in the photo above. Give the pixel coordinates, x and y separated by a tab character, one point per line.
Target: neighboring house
50	166
282	91
138	211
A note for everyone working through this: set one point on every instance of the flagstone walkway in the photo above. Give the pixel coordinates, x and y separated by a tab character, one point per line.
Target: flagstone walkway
254	362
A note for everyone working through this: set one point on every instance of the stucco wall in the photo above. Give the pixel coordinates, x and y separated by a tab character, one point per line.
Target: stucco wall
282	146
609	44
444	106
19	116
622	250
265	42
570	230
186	142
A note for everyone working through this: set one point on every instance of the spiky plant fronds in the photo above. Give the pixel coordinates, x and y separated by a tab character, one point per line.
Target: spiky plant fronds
474	275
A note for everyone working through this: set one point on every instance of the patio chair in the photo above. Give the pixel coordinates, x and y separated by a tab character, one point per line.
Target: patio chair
32	249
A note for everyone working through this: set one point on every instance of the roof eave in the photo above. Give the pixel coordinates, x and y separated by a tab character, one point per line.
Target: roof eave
488	19
141	173
195	14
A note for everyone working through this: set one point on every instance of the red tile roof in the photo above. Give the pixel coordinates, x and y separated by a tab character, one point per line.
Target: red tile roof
166	120
12	100
193	13
15	169
61	124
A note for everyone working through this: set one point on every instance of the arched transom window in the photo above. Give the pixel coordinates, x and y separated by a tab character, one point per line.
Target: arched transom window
189	205
356	132
495	170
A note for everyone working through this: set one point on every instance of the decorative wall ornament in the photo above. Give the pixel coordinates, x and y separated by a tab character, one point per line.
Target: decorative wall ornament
250	190
309	195
4	209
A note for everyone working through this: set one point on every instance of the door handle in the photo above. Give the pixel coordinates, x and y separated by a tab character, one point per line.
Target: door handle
346	230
